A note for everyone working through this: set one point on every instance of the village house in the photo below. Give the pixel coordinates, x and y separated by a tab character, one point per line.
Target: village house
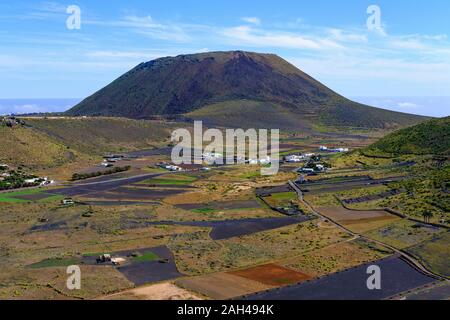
67	201
338	150
295	158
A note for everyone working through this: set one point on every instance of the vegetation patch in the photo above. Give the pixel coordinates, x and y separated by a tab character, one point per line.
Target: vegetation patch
146	256
403	234
12	197
82	176
204	210
281	199
434	253
173	179
54	262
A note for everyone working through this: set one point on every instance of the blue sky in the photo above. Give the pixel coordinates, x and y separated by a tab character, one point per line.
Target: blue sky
409	56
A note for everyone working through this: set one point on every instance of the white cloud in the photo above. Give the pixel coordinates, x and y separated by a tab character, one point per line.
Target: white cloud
347	36
248	36
147	26
407	105
54	7
122	54
253	20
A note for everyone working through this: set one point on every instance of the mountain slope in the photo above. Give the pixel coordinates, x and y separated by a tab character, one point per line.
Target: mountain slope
96	136
22	146
183	84
430	137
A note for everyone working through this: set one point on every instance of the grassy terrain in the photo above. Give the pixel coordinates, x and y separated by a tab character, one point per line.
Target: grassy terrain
178	179
55	262
196	254
100	135
25	147
204	210
147	256
423	150
334	258
403	234
10	196
281	199
431	137
434	253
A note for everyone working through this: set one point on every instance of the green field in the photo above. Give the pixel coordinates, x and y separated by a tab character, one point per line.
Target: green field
54	262
10	196
281	199
147	256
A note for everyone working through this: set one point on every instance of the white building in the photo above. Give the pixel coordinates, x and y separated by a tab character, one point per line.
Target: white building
320	167
324	148
173	168
295	158
265	161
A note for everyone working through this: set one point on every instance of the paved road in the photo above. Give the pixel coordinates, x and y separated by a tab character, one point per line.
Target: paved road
409	258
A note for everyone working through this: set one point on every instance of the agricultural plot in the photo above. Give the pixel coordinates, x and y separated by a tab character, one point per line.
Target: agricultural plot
31	195
50	283
334	258
160	291
221	286
143	265
437	291
281	199
170	180
136	194
435	253
116	203
197	254
403	234
221	205
344	185
139	266
267	191
227	229
359	221
272	275
375	197
55	262
397	276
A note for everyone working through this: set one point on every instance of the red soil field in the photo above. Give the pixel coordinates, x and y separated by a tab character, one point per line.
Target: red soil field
272	274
